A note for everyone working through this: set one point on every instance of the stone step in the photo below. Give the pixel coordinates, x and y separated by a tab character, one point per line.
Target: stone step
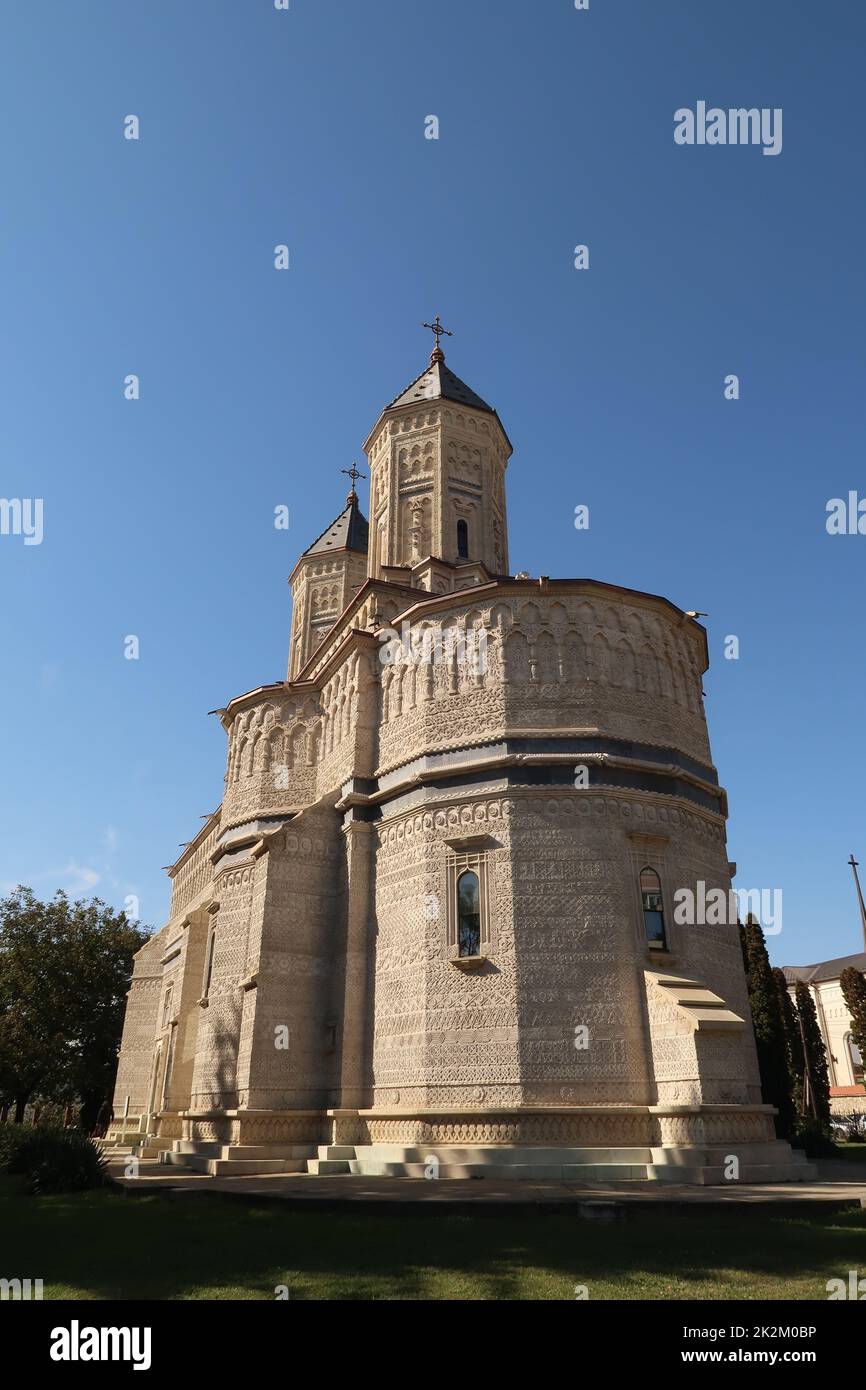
335	1151
245	1151
202	1148
501	1156
231	1167
713	1175
512	1172
235	1167
321	1166
197	1146
169	1158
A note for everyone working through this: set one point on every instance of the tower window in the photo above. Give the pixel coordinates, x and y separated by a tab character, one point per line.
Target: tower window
468	914
208	970
463	540
653	909
469	932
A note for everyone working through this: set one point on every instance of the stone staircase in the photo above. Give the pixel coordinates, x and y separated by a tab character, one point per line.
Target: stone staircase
699	1166
758	1163
235	1160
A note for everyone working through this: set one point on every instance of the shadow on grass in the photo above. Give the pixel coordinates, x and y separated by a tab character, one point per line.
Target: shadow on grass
117	1245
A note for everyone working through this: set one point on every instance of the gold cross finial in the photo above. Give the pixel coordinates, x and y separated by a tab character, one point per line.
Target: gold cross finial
437	355
353	473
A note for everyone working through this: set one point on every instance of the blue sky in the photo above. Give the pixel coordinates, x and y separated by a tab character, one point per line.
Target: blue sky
306	127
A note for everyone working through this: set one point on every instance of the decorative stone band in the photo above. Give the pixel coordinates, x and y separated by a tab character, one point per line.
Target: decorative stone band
542	762
256	1126
169	1127
587	1127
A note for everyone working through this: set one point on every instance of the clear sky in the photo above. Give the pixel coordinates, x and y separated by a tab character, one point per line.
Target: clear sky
306	127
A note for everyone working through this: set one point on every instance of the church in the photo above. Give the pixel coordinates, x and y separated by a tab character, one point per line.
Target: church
430	928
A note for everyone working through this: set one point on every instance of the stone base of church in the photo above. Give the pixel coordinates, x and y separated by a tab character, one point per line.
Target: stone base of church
755	1163
689	1144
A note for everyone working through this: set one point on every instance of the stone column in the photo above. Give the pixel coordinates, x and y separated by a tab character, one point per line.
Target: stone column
357	973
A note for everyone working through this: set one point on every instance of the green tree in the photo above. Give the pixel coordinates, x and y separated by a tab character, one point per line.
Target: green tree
793	1041
64	972
816	1078
776	1082
853	983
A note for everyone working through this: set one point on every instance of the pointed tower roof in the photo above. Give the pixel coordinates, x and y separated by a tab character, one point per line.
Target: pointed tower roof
350	531
438	382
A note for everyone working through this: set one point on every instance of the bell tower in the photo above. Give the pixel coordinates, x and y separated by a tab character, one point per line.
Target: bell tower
437	455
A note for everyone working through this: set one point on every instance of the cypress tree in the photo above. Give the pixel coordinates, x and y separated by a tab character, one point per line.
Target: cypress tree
770	1041
793	1041
815	1055
853	984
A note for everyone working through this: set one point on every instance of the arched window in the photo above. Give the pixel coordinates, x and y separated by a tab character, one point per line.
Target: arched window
653	909
855	1059
462	540
468	915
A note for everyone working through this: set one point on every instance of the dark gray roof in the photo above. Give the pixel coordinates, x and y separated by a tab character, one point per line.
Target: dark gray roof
438	382
350	531
825	969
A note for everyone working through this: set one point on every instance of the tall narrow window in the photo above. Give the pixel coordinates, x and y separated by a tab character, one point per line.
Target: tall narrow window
463	540
653	909
166	1007
169	1063
209	966
468	915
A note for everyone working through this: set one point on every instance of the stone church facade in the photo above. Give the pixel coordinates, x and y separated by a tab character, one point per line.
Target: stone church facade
431	927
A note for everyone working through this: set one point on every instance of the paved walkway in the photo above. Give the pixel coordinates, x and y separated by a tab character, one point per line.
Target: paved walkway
840	1182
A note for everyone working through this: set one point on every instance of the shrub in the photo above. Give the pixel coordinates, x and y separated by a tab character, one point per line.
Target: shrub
54	1160
10	1137
812	1136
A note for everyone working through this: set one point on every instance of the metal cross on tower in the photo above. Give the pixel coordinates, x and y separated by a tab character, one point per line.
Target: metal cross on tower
437	330
353	473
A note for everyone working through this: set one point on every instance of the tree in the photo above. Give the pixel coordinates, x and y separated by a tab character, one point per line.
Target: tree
793	1041
816	1080
64	972
776	1083
853	983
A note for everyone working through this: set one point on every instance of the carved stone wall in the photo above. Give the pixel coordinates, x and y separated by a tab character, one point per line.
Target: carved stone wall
553	663
292	1062
140	1025
224	1025
567	952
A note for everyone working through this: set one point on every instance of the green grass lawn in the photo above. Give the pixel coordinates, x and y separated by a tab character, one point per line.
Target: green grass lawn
852	1153
115	1245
